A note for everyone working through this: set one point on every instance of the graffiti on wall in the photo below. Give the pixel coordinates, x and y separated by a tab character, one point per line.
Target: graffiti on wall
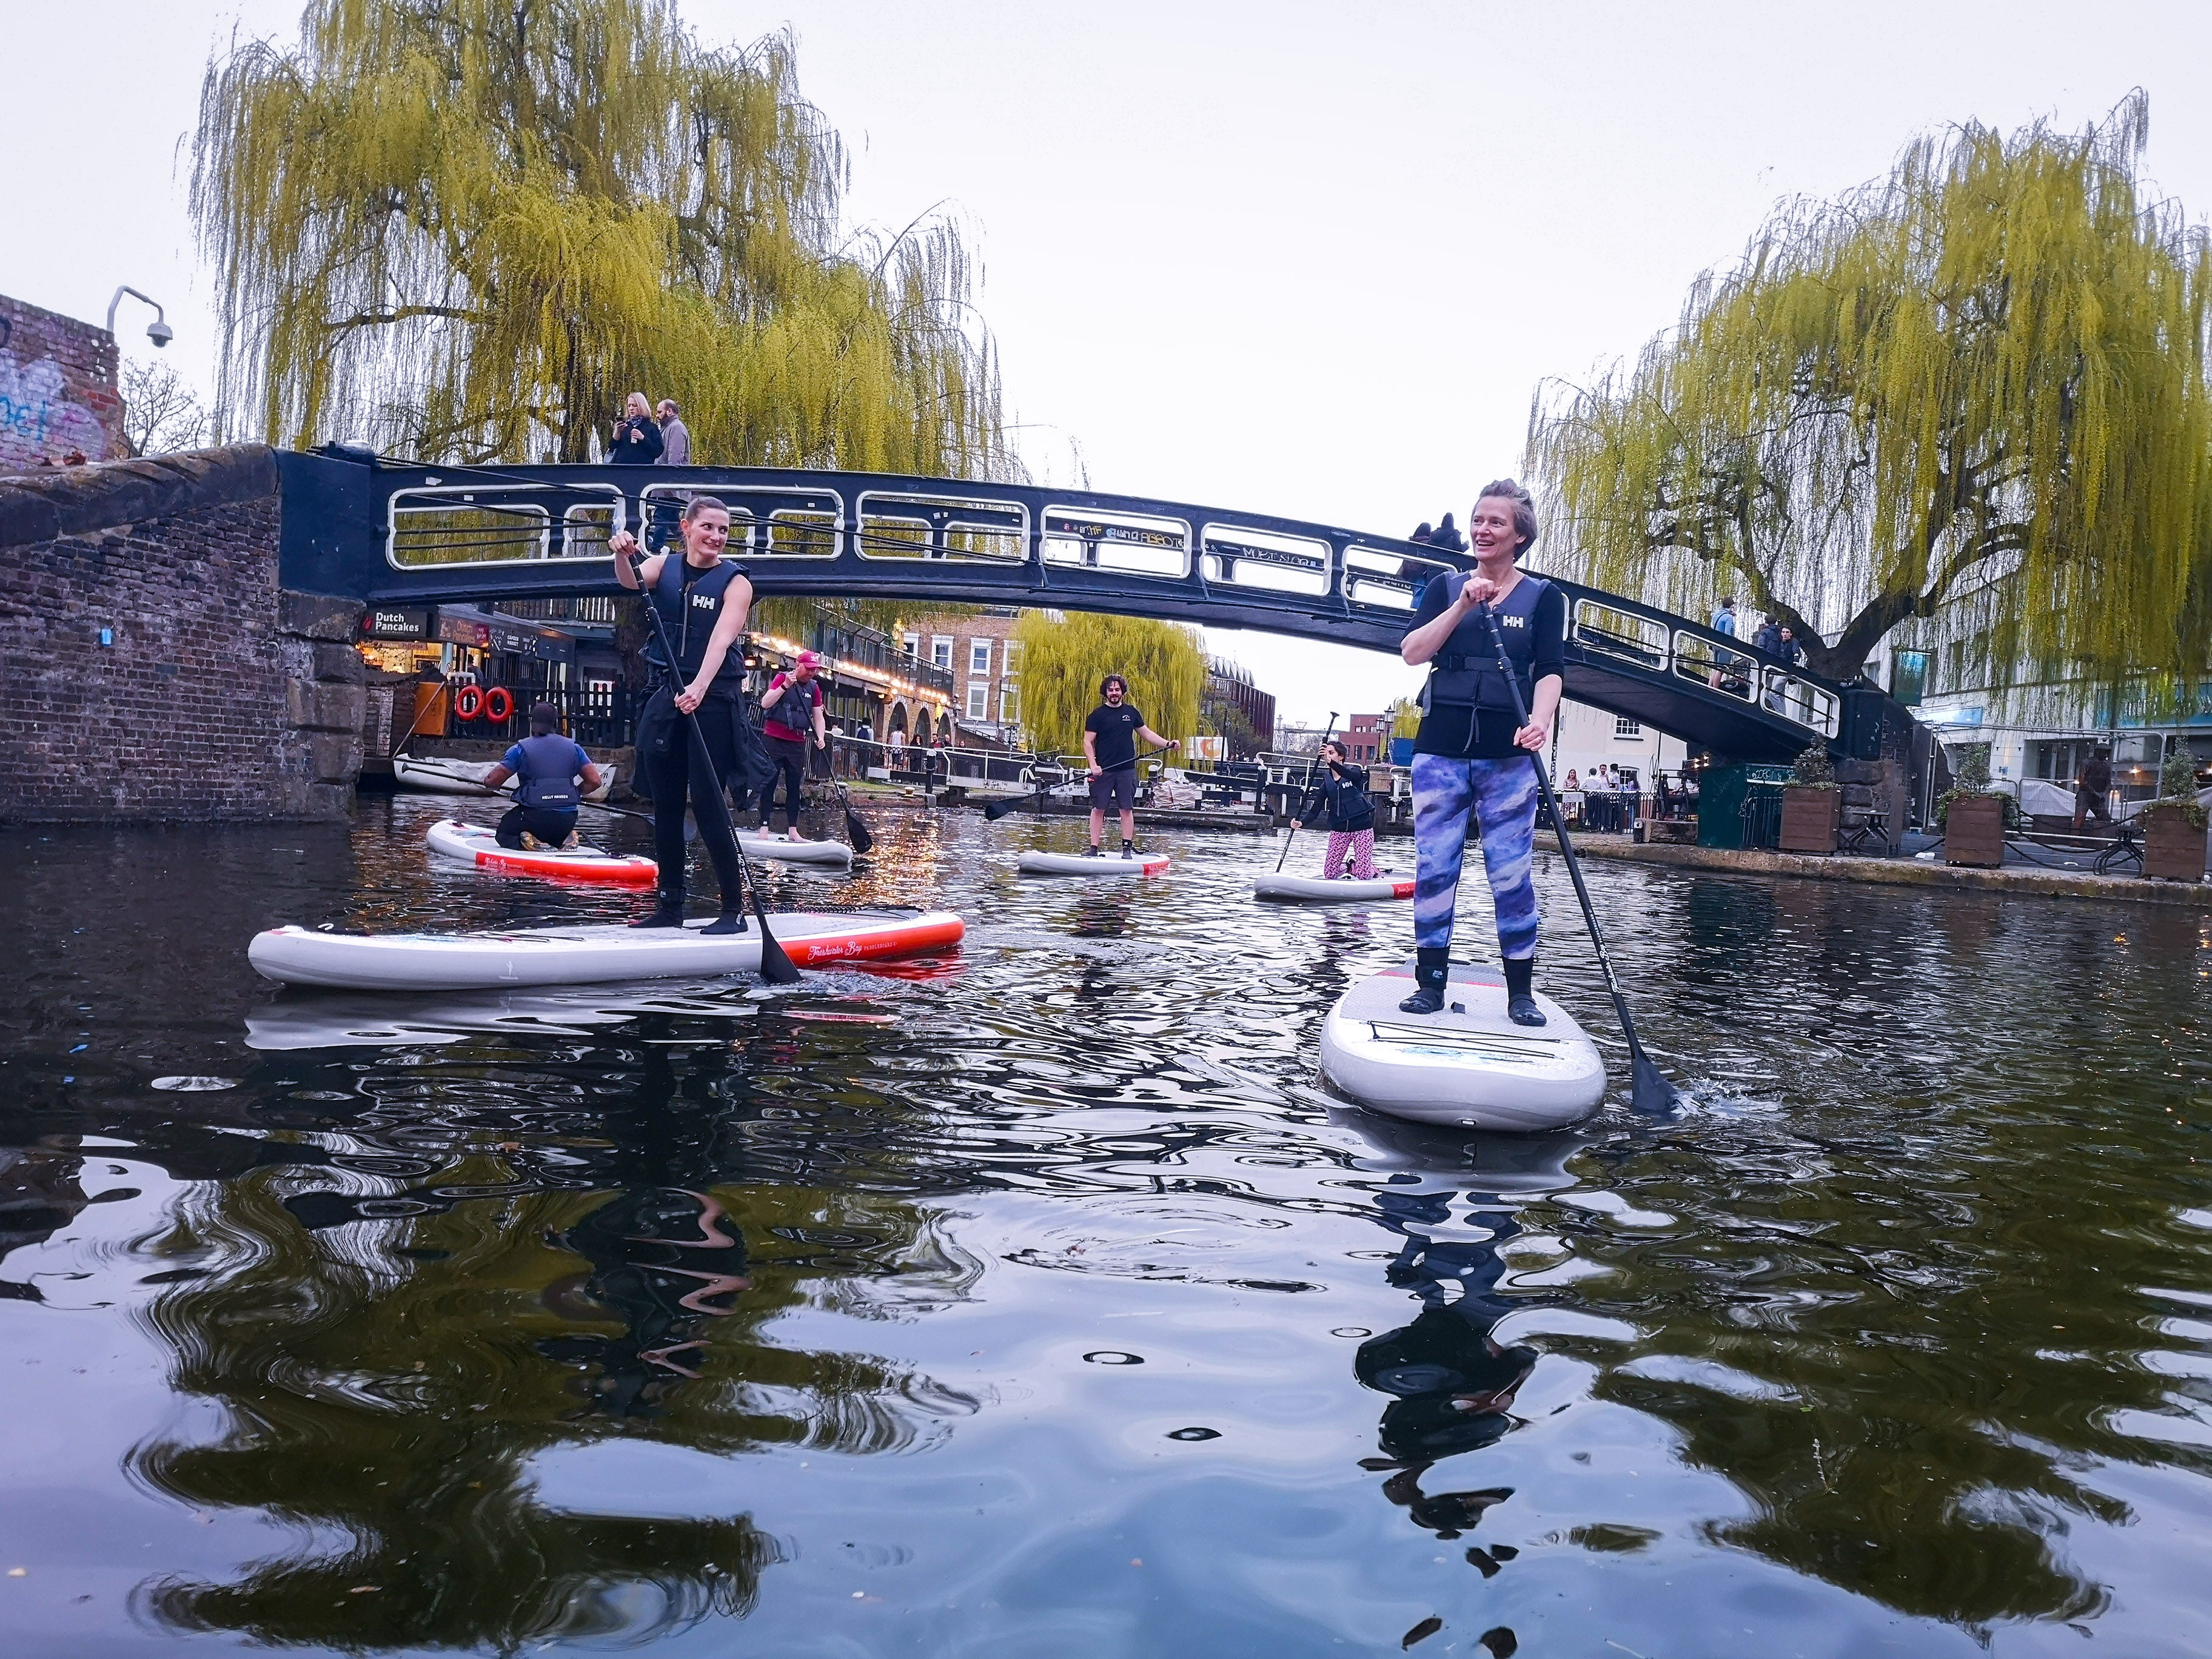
38	419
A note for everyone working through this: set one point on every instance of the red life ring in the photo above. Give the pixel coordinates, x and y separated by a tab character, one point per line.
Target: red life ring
468	702
499	704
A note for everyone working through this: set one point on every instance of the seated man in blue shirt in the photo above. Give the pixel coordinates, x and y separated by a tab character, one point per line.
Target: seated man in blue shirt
547	766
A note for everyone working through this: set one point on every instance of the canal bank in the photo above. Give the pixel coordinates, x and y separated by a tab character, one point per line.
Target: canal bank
1923	873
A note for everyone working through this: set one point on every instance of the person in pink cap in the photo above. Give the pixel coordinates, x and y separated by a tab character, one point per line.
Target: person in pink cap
790	705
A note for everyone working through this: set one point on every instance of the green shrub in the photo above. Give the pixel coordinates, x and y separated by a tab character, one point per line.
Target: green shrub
1813	769
2177	784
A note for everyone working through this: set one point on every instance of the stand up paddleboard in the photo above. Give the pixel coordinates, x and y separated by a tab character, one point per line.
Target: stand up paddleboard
1467	1066
477	845
833	852
585	955
1319	890
1106	863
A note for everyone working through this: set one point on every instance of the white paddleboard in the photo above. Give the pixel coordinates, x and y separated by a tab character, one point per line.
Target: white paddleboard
1467	1066
834	853
479	845
585	955
1317	889
1078	864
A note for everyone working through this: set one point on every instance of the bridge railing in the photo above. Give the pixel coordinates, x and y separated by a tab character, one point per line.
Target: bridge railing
997	543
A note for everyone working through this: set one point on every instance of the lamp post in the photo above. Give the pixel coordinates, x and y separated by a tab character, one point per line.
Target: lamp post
160	333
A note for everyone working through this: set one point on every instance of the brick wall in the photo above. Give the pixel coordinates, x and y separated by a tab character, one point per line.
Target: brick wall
217	695
57	390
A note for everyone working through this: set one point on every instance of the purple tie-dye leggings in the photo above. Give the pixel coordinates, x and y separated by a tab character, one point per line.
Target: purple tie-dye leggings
1358	846
1501	795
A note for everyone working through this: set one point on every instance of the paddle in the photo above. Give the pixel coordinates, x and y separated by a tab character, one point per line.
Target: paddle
998	809
775	966
1326	735
690	829
1649	1091
856	832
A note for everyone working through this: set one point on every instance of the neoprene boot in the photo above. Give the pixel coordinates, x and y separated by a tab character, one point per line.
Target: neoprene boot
667	910
730	921
1431	969
1128	849
1520	1001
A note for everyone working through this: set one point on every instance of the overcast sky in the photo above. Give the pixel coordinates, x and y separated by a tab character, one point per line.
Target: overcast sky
1291	258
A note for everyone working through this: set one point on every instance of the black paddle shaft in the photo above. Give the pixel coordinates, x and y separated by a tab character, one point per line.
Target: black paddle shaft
775	964
1650	1092
1327	732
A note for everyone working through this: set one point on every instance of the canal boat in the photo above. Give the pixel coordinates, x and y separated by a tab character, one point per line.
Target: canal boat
1468	1065
1286	889
1035	863
589	954
436	775
474	844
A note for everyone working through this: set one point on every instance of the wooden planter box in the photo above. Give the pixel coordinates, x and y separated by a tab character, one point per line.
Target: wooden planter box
1809	819
2173	848
1973	831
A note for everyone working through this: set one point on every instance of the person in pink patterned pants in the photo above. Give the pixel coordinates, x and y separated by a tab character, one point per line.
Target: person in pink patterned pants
1351	816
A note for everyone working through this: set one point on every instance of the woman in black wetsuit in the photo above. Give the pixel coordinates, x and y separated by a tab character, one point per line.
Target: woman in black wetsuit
703	599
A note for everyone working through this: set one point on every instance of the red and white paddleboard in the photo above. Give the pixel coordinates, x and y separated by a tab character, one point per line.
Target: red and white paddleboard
1077	864
587	955
478	846
1318	889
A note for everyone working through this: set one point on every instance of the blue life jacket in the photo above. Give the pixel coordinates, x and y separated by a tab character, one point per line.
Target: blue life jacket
547	779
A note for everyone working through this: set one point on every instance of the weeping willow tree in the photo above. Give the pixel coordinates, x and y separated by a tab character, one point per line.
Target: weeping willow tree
467	229
1974	391
1064	657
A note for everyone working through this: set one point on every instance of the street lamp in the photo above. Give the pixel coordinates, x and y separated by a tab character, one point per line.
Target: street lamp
160	333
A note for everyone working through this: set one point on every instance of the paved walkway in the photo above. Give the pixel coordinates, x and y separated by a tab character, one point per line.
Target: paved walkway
1904	872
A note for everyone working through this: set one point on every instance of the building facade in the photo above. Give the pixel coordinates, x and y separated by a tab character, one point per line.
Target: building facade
984	661
1239	711
1367	739
58	397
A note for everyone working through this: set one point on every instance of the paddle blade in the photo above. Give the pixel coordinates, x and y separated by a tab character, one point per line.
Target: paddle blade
777	967
1649	1091
857	833
994	810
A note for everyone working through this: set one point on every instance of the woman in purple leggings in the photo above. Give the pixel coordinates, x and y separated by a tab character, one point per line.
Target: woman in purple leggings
1473	754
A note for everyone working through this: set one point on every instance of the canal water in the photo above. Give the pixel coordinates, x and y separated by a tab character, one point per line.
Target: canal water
1040	1300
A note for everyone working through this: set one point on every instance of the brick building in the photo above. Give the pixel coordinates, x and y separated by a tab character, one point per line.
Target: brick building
984	660
1238	709
57	390
1367	738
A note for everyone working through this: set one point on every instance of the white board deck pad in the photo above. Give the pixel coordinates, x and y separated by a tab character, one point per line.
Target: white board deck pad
478	845
1468	1065
589	954
1285	888
1035	863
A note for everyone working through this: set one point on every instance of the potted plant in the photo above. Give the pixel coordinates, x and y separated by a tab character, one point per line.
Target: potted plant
1812	805
1974	819
2174	825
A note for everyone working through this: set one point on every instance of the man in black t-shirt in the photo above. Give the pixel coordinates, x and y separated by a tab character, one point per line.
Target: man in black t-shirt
1109	744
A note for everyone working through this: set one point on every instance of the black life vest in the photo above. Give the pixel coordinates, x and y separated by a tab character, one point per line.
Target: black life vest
689	613
548	779
1464	673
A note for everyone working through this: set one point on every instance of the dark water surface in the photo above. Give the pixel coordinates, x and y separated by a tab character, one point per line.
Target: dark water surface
1038	1301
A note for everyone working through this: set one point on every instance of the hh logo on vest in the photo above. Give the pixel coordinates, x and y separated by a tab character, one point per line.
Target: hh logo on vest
1512	621
705	601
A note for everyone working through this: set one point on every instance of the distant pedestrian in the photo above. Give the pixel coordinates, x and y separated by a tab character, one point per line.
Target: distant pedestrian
675	436
637	441
1422	533
1447	536
898	747
1769	637
1351	811
1723	620
2092	790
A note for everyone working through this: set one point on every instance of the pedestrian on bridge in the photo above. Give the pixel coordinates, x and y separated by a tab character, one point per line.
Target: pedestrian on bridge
675	436
636	440
703	599
1472	754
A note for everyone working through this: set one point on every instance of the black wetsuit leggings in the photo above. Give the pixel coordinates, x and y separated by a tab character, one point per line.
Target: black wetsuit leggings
671	777
790	758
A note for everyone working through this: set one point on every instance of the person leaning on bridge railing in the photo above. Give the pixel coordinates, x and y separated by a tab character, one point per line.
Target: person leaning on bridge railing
1471	754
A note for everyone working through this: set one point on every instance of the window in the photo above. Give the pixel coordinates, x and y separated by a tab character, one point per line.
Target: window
979	658
1009	705
979	700
940	652
1010	658
1908	675
911	644
1625	727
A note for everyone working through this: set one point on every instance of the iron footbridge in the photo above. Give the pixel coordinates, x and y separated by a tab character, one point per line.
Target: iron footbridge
401	534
